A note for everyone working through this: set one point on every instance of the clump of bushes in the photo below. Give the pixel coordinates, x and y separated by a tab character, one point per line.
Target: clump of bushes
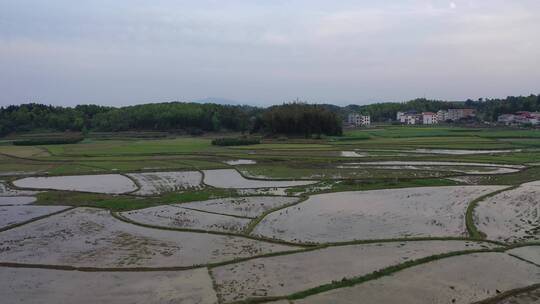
235	141
49	140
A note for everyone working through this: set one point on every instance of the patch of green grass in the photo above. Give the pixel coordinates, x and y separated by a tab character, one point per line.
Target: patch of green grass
8	164
127	202
133	147
524	176
374	184
74	169
325	170
285	146
23	151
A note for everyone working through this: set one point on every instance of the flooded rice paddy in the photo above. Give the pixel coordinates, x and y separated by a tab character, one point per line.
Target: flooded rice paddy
21	285
224	215
353	154
528	253
376	214
5	190
464	152
286	274
13	215
459	167
155	183
16	200
230	178
461	279
175	216
512	215
104	183
241	206
236	162
92	237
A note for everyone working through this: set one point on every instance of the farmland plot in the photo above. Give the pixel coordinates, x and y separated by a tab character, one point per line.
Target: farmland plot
155	183
104	183
511	216
242	206
93	238
7	191
12	215
457	167
529	253
230	178
174	216
461	279
16	200
58	286
286	274
375	214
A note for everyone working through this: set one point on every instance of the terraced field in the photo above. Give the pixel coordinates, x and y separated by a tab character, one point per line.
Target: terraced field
385	216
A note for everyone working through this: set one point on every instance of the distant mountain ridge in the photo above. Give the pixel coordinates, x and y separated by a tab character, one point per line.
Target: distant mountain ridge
218	100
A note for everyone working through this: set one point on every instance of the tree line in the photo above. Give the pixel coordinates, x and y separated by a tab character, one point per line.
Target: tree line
297	118
294	118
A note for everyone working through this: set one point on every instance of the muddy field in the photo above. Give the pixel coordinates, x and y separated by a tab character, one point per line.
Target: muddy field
511	216
529	253
242	206
377	214
283	275
92	237
461	279
455	167
175	216
155	183
230	178
12	215
5	190
236	162
16	200
528	297
35	285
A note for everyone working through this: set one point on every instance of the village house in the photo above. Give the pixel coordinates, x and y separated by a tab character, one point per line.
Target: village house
356	119
429	118
520	118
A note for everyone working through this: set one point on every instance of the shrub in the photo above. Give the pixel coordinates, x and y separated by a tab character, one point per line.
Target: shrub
239	141
48	141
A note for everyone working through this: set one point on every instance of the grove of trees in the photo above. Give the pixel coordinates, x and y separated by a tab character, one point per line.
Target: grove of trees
299	119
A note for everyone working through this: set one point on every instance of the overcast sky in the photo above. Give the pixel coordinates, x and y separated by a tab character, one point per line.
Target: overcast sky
120	52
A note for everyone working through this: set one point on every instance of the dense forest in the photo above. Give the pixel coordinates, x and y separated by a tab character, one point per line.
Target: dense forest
161	116
290	118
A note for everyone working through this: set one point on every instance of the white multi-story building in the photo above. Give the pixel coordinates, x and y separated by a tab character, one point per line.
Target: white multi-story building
457	114
442	116
356	119
400	116
413	119
409	118
429	118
